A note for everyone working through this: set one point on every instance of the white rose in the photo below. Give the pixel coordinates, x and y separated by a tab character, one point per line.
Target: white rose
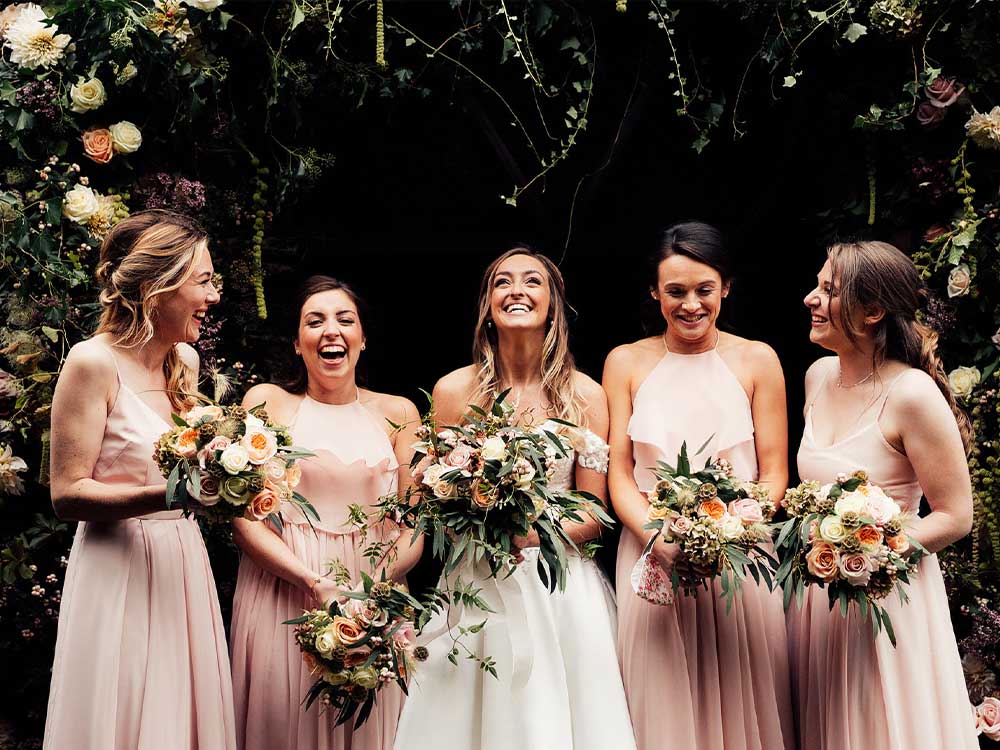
87	95
959	281
260	443
849	502
880	506
963	379
80	204
493	448
432	474
235	458
731	527
325	642
832	530
125	137
205	5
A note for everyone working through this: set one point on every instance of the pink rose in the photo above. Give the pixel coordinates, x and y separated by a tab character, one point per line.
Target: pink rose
405	637
460	457
856	568
988	717
218	443
421	467
98	145
943	92
264	504
822	561
928	115
274	470
681	525
747	510
210	488
813	530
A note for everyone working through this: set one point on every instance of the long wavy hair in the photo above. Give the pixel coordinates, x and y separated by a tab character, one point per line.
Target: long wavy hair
871	275
143	257
556	366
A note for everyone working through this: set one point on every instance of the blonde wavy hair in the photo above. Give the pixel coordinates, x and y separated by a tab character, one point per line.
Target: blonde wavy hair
556	366
878	275
143	257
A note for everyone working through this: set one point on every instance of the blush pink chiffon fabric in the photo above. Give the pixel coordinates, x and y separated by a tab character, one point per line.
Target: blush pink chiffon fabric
141	660
853	690
697	677
354	464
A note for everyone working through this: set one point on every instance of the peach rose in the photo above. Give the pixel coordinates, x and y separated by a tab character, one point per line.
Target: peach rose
98	145
293	475
482	497
347	631
822	561
747	510
856	568
657	512
898	543
988	717
869	536
714	509
263	504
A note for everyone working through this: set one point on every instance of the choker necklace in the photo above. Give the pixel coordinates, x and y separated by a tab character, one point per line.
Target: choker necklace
865	379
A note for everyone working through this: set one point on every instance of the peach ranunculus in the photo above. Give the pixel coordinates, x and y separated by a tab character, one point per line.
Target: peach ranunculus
263	504
822	561
97	145
347	631
856	568
869	536
988	717
898	543
747	510
293	475
714	509
186	443
260	443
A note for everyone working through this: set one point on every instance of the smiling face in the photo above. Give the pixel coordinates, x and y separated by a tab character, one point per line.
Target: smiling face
690	294
181	313
330	337
520	295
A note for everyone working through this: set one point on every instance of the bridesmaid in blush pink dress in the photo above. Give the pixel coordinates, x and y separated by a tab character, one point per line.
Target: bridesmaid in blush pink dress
140	660
696	676
882	405
357	460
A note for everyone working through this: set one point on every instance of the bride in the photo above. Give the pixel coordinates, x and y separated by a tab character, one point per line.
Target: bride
557	684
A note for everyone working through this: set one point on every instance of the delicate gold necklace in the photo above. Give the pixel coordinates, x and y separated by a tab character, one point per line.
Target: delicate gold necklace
718	336
865	379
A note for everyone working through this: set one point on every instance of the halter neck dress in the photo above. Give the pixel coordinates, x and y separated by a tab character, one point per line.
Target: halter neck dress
354	464
855	691
140	660
696	676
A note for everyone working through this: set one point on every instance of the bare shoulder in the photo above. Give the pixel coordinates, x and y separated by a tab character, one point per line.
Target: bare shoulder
628	356
457	383
189	356
756	354
89	363
276	397
397	409
588	388
818	370
915	393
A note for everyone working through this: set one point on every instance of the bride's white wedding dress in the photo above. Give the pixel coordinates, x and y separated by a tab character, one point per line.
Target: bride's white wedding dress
558	684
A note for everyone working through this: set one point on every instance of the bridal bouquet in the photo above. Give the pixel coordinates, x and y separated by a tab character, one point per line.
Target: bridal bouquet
225	462
847	536
720	524
483	483
358	647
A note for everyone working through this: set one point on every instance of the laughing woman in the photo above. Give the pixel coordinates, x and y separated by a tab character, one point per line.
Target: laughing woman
558	686
697	676
141	659
882	404
358	459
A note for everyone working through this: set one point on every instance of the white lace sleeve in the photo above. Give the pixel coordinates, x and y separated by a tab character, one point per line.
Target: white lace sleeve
592	453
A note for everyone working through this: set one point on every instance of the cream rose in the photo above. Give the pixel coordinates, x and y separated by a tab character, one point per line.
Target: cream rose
747	510
87	95
293	475
963	379
988	717
365	677
432	474
959	281
850	502
80	204
260	443
205	5
731	527
493	448
822	561
274	470
880	507
125	137
832	530
856	568
234	458
443	489
325	642
336	679
207	413
523	472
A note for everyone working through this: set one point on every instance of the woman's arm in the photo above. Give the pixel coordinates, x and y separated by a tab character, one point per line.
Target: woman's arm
79	417
769	409
258	540
929	434
406	550
595	419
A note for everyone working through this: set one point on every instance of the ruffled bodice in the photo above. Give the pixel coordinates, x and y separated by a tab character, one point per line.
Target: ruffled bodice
692	398
354	462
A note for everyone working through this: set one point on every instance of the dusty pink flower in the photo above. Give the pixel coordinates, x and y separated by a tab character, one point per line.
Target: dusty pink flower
929	115
943	92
